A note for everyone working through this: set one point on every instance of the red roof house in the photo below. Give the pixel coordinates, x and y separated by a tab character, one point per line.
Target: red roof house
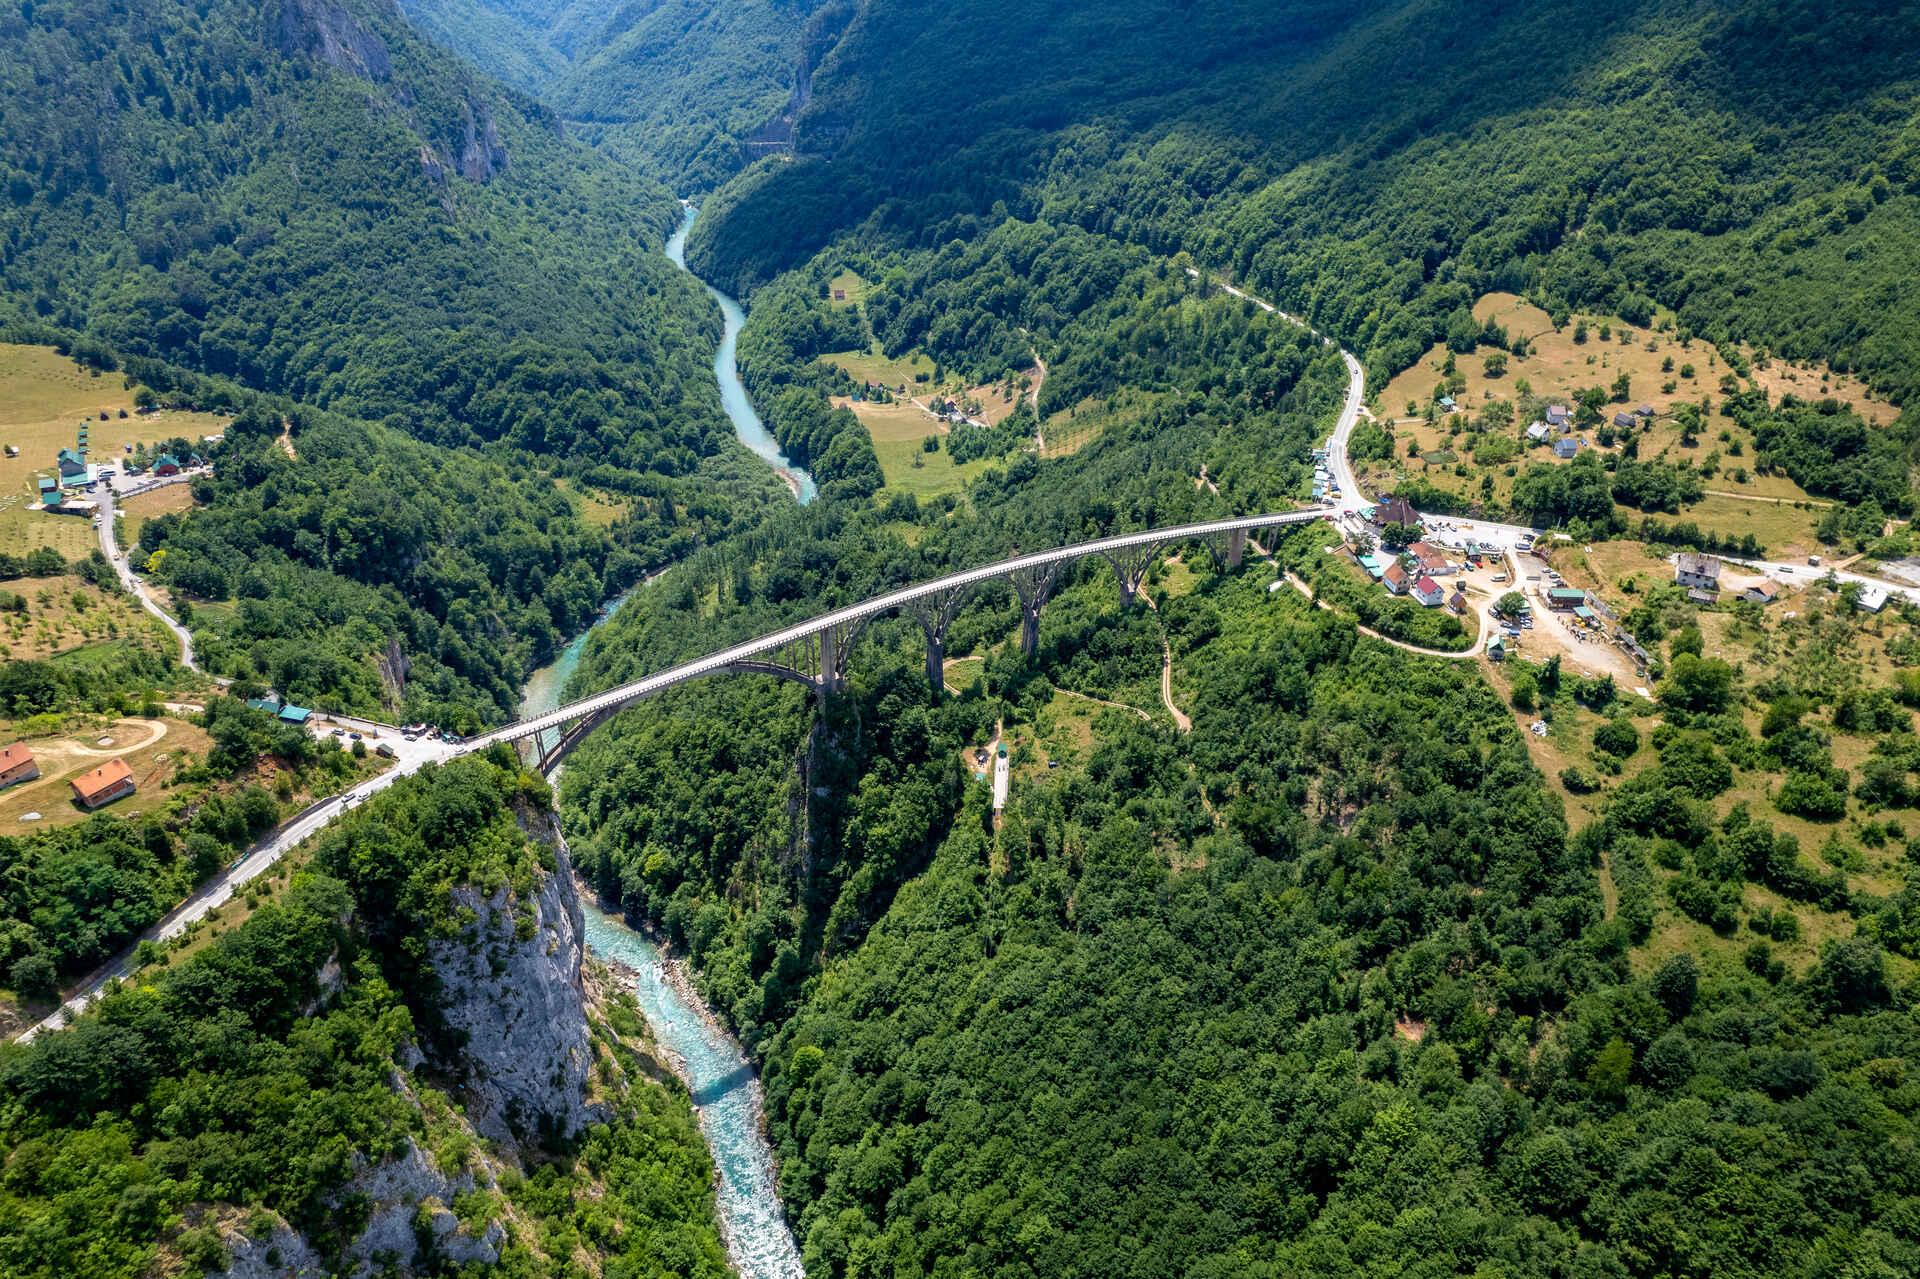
111	781
17	765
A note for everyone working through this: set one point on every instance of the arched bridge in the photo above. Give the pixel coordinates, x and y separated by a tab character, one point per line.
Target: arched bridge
815	652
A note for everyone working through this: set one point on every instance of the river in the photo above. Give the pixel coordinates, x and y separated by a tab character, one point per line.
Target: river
725	1090
716	1072
733	396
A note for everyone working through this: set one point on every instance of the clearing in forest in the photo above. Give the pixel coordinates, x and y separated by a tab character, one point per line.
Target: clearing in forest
137	510
45	397
1661	371
899	432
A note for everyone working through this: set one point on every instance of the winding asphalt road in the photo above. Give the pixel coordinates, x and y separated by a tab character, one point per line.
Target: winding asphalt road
110	547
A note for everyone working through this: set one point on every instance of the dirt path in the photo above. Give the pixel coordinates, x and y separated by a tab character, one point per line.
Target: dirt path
1467	655
1180	721
1033	402
1206	482
151	731
55	757
1101	701
1775	501
286	439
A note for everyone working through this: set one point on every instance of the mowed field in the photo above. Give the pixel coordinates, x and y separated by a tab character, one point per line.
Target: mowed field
897	431
874	365
44	397
1739	501
137	510
595	508
155	749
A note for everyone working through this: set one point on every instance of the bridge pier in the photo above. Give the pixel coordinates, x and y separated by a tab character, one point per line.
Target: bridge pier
1227	549
935	614
1033	585
836	646
1130	565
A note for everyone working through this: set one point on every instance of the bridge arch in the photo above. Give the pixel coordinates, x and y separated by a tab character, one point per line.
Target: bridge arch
818	649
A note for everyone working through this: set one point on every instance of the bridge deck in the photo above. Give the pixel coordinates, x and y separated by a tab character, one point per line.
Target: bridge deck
879	604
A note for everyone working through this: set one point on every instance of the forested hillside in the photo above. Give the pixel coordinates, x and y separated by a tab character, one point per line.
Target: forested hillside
680	87
1378	166
1281	995
289	1098
528	44
314	201
687	91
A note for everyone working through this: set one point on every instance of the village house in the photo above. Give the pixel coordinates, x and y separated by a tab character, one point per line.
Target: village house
1566	448
1561	598
1766	592
1625	421
72	466
112	780
1645	411
1700	572
17	765
49	491
1431	559
1705	599
1396	579
1538	431
1428	591
1457	602
1872	598
1497	649
1398	511
166	464
1557	415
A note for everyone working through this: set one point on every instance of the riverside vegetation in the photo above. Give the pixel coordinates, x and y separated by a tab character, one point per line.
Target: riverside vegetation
1338	982
156	1131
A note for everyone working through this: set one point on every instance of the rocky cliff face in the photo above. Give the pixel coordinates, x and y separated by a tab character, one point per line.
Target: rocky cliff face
512	988
408	1221
513	993
327	31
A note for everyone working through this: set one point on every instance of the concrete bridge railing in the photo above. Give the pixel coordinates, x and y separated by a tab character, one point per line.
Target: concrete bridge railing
816	651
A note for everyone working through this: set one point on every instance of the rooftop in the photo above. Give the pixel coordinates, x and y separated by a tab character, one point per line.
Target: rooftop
92	785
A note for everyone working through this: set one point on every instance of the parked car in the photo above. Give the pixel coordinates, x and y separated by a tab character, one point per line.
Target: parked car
412	737
354	736
339	732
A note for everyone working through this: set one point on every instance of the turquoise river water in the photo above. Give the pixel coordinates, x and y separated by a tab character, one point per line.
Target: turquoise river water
725	1090
716	1072
733	396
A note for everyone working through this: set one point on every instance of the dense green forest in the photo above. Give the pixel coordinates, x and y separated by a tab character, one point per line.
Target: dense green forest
528	44
375	572
689	89
314	201
1283	994
1378	165
170	1112
685	90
